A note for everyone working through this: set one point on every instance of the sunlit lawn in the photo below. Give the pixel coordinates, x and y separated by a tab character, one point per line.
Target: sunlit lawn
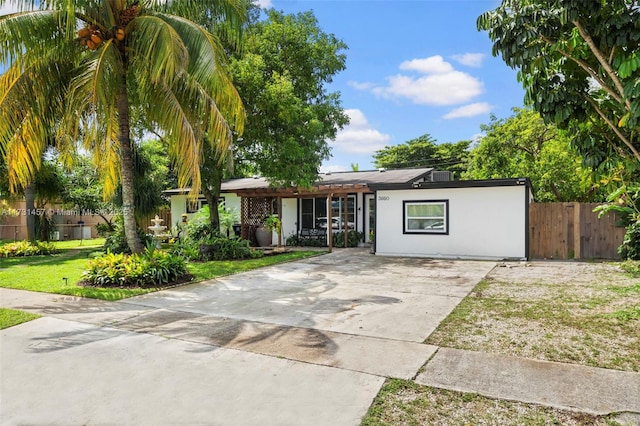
11	317
47	273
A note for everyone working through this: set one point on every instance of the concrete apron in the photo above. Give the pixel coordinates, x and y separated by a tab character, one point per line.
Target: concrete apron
348	310
200	348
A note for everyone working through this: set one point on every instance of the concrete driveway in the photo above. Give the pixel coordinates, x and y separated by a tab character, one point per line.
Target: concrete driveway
302	343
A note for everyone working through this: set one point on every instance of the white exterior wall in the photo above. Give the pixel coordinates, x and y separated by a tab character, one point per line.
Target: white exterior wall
484	223
289	218
179	206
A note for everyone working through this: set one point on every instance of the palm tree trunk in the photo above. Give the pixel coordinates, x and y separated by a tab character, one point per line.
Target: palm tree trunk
126	170
30	206
211	190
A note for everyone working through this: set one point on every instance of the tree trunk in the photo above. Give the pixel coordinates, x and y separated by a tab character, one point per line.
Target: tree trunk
211	175
213	199
126	170
30	206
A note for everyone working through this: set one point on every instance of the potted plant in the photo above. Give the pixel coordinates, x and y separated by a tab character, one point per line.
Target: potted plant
273	223
264	233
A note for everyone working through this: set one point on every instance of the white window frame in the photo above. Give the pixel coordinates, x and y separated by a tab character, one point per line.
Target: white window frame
444	230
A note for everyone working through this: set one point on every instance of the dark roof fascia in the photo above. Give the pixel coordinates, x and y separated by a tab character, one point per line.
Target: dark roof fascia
454	184
176	191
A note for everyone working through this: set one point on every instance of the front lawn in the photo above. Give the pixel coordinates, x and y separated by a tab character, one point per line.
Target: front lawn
574	312
11	317
47	273
402	402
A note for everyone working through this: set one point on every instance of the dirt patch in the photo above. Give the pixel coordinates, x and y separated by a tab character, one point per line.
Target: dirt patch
576	312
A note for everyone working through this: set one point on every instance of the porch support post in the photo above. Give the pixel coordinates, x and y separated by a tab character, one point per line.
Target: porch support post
329	222
280	219
345	226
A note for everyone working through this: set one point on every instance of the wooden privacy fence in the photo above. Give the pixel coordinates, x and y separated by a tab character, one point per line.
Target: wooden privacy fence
572	231
163	213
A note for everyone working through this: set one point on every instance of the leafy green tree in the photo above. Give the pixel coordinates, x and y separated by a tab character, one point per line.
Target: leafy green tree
579	62
285	63
524	146
83	190
76	68
281	70
425	151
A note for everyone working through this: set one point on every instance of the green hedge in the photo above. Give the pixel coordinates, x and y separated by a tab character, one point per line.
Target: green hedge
26	248
149	269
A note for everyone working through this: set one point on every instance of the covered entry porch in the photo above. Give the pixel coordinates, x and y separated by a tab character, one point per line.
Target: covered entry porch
310	213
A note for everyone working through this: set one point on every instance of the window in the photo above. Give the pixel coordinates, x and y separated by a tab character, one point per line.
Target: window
426	217
194	206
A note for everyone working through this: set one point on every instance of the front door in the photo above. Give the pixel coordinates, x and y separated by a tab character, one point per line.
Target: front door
370	216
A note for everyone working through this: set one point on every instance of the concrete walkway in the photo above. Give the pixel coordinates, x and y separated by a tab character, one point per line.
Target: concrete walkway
304	343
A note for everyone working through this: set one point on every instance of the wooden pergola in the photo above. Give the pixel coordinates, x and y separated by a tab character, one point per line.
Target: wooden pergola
328	191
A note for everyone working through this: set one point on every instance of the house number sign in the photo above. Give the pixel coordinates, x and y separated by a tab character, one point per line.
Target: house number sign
383	198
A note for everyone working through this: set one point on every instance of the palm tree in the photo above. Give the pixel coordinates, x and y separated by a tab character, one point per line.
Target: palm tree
75	68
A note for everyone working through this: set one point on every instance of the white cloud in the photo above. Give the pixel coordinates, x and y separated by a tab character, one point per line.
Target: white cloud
470	110
438	83
359	137
431	65
361	86
333	168
265	4
439	89
469	59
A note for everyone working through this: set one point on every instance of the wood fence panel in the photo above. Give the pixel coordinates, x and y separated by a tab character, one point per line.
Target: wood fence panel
600	238
572	231
163	213
549	236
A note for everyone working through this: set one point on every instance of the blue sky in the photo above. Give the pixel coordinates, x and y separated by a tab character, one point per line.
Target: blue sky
413	67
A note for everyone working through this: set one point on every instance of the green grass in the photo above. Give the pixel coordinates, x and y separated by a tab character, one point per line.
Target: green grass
11	317
402	402
46	273
76	244
591	322
217	268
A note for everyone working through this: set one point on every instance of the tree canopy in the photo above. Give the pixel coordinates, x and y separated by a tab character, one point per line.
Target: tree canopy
285	63
579	62
524	146
76	68
425	151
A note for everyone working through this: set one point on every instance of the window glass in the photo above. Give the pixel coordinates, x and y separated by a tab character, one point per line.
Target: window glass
426	217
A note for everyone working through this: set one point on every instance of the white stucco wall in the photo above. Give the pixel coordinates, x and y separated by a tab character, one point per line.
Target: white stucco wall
484	223
289	218
179	206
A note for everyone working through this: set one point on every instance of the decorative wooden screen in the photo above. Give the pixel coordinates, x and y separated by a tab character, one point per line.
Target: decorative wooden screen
254	211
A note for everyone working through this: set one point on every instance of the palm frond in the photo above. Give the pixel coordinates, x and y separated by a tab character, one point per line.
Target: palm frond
208	68
33	32
157	44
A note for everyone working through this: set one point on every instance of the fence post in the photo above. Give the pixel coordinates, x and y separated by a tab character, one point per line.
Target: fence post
577	232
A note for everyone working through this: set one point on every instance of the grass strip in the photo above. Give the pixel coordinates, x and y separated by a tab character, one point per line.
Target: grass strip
59	273
11	317
402	402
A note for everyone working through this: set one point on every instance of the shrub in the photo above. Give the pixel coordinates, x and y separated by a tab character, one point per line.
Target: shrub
222	248
630	248
148	269
27	248
116	242
631	267
353	238
292	240
104	229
